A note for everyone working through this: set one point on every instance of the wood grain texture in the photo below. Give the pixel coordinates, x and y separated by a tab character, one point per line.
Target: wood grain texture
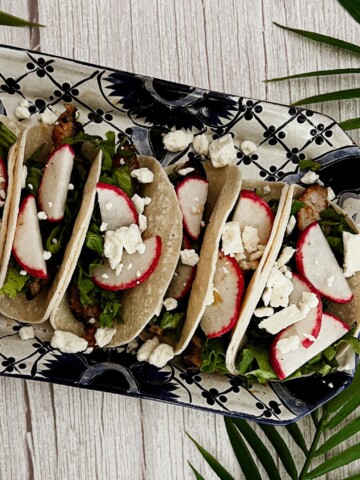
230	45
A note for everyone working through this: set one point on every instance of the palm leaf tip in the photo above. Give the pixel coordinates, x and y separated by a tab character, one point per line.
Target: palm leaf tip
317	37
353	7
11	21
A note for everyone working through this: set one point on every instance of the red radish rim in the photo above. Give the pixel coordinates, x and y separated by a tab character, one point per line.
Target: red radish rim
300	265
115	188
274	362
138	280
34	272
188	286
178	187
3	167
241	290
315	333
254	196
337	319
63	146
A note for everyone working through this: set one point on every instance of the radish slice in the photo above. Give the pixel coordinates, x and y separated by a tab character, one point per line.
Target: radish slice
116	208
27	246
192	194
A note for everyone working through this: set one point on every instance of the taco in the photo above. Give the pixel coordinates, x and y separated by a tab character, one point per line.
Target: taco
130	246
199	323
43	228
9	133
291	325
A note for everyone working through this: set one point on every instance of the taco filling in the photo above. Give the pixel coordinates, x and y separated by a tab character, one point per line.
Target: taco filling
191	186
292	331
115	257
50	199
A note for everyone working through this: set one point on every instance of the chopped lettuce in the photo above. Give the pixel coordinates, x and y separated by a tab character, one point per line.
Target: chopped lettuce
310	164
14	282
34	174
213	356
254	364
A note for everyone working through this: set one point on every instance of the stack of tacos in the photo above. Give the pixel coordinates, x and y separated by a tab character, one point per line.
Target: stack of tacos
189	261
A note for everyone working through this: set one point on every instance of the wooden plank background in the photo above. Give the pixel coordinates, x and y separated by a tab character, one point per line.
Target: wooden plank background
51	431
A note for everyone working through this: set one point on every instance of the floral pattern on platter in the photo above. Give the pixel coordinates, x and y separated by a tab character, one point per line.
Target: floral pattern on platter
144	109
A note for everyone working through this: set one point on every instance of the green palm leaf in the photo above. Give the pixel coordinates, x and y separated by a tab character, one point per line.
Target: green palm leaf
340	436
352	477
315	417
319	73
259	448
339	460
214	464
12	21
353	7
281	449
246	461
297	436
326	97
350	124
317	37
198	476
344	412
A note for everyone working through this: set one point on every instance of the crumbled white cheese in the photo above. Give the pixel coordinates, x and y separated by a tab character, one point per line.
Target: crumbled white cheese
103	336
30	186
209	300
68	342
308	301
160	356
143	175
330	194
263	312
146	349
170	304
48	117
286	345
250	239
266	296
291	225
140	203
132	346
256	255
47	255
138	274
2	194
88	351
266	190
282	319
103	227
351	253
330	280
142	223
105	276
71	186
281	287
309	178
26	333
128	238
248	147
50	204
42	216
92	320
23	176
54	241
222	151
285	256
189	257
23	272
177	140
22	113
108	206
231	238
185	171
201	144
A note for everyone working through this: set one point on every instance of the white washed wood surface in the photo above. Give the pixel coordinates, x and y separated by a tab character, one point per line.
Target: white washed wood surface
51	431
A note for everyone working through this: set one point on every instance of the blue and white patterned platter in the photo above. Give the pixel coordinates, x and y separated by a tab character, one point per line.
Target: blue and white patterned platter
144	109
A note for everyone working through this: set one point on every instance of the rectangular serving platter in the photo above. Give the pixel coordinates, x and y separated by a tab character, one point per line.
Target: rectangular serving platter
145	108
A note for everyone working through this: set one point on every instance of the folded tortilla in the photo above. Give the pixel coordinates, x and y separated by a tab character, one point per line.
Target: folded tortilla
348	312
38	309
139	304
16	128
